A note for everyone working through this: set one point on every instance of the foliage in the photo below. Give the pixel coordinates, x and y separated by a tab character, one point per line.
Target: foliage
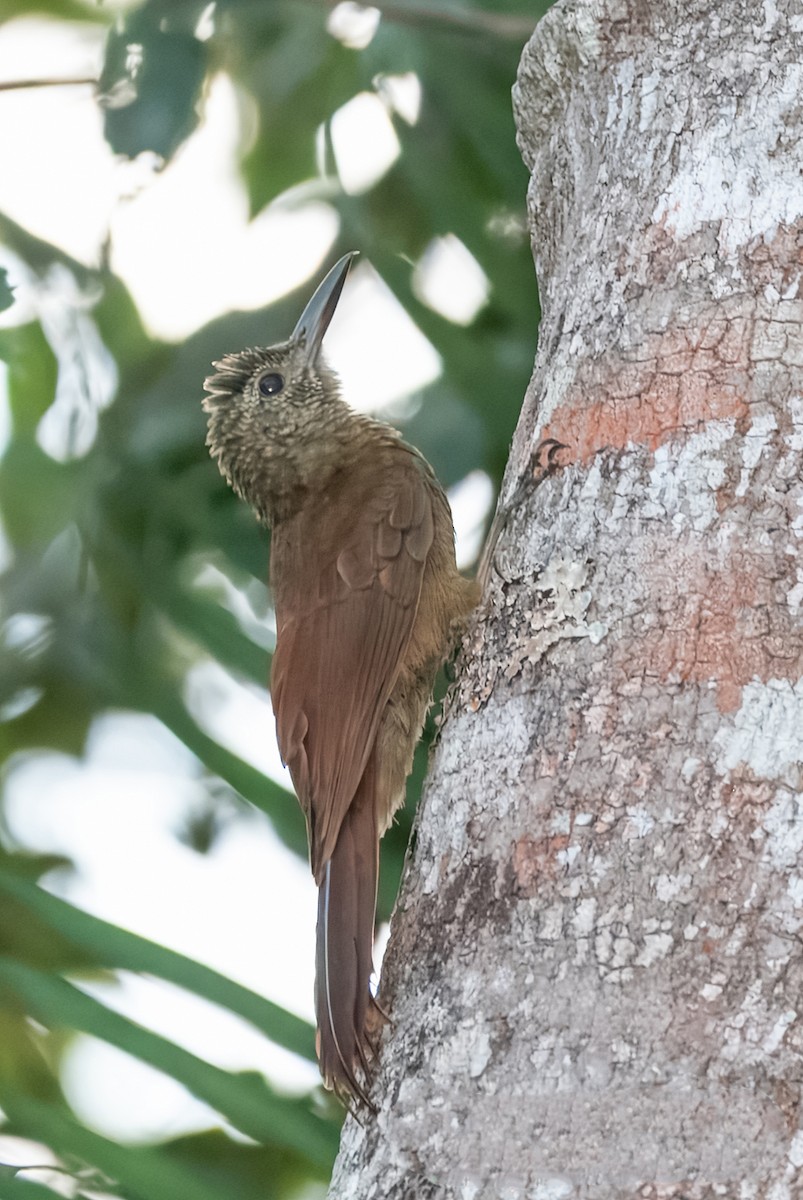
105	545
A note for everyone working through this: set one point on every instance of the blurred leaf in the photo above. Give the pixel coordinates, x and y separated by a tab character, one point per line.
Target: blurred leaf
111	946
59	719
299	76
32	372
123	333
244	1172
31	866
37	493
36	253
6	291
13	1188
152	80
244	1099
214	628
22	1064
27	939
67	10
143	1173
279	804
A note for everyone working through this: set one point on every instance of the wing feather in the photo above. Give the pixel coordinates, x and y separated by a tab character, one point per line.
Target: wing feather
346	576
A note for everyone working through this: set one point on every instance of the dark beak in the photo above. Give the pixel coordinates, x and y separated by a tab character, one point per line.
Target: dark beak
314	321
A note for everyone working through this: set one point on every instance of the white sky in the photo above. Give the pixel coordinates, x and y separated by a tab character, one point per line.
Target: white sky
248	907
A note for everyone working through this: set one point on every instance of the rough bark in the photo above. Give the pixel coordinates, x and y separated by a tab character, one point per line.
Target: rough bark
596	973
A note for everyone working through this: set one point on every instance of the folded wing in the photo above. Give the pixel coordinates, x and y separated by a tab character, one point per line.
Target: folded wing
347	574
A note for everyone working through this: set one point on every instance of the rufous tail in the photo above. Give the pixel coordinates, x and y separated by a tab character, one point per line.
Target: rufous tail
346	909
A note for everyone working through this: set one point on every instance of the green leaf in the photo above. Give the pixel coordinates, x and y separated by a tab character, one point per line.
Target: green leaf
22	1064
277	803
38	496
6	291
244	1172
32	374
138	357
59	720
144	1174
218	632
299	76
13	1188
152	80
38	254
66	10
110	946
245	1099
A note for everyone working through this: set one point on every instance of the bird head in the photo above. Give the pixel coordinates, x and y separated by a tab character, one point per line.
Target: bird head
275	413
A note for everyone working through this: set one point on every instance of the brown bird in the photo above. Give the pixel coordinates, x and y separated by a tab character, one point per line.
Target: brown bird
368	601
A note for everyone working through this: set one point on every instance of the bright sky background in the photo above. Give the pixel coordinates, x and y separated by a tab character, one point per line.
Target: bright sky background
116	812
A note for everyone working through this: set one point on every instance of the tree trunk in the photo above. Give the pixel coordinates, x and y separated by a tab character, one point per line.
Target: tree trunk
596	975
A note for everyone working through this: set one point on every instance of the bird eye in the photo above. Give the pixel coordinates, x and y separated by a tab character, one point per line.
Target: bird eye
271	384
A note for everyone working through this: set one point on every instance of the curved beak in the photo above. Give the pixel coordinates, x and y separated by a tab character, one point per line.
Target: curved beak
314	321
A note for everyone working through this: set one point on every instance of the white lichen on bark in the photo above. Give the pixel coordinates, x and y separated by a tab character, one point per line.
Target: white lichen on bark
596	967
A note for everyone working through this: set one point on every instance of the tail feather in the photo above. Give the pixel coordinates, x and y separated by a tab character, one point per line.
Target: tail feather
346	908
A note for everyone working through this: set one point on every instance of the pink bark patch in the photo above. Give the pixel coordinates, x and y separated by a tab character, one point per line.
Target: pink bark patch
723	626
535	859
685	380
668	405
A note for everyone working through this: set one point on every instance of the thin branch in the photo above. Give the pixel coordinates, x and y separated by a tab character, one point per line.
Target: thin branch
18	84
506	26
